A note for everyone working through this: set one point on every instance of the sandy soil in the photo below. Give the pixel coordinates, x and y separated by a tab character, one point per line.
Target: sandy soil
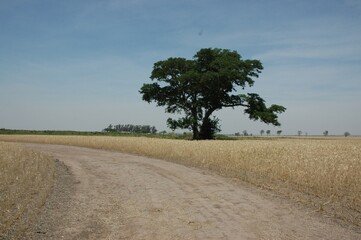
111	195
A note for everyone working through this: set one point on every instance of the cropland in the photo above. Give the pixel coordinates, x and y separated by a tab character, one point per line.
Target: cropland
321	174
26	180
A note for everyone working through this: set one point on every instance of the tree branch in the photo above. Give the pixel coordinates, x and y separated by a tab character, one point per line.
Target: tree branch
235	105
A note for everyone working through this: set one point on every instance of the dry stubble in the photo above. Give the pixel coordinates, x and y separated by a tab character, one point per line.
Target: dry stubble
323	172
26	178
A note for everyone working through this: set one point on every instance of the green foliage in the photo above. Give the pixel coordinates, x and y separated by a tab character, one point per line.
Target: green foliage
130	128
206	84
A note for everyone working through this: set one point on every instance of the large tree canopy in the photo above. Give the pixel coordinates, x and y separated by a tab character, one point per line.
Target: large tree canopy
209	82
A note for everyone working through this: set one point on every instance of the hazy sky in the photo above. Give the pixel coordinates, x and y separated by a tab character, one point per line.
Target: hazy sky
79	64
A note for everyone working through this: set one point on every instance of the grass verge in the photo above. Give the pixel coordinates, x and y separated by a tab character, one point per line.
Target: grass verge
26	178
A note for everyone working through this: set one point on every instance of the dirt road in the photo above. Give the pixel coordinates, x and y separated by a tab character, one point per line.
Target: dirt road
111	195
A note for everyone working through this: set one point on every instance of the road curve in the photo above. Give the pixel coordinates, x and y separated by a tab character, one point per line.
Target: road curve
114	195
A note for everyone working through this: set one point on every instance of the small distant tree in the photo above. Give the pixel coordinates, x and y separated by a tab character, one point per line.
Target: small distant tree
153	130
109	128
279	132
261	132
299	133
325	133
237	134
347	134
245	133
268	132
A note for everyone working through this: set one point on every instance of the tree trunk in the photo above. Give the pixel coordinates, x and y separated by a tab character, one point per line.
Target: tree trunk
206	131
208	127
195	125
195	132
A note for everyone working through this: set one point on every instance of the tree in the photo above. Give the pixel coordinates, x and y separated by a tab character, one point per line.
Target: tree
130	128
261	132
346	134
109	128
325	133
268	132
207	83
279	132
299	133
245	133
153	130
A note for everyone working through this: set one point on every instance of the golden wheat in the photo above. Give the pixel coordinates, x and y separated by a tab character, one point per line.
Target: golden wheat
327	169
26	178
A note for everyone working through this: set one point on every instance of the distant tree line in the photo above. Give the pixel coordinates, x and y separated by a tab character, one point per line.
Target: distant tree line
268	132
50	132
130	128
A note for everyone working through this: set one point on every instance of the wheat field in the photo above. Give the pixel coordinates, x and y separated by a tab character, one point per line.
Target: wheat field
324	172
26	178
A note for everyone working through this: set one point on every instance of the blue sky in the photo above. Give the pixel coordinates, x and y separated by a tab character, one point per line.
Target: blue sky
79	65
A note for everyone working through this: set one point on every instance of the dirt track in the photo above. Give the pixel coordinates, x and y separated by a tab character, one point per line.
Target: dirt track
111	195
